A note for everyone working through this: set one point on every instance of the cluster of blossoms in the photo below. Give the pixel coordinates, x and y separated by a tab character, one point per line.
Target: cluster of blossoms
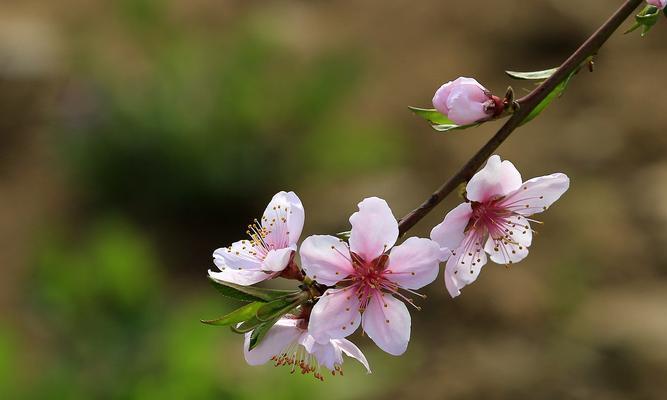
367	280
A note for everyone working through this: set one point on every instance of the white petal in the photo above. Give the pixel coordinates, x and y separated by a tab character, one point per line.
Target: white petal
504	251
277	260
326	353
353	351
450	232
335	315
242	277
241	255
387	322
414	263
496	179
325	259
374	229
278	338
537	194
452	284
283	220
465	264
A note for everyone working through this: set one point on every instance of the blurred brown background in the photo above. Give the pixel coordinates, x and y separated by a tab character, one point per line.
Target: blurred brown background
136	136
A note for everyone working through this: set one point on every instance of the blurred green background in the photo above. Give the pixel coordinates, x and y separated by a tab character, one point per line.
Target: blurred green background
136	136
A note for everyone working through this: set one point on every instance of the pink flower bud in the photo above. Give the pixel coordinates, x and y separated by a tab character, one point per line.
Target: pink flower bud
658	3
465	101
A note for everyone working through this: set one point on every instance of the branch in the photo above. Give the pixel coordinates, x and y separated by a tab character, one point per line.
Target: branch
526	105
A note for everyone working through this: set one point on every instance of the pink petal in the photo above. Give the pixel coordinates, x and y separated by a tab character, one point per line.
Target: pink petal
353	351
241	255
277	339
465	264
374	229
450	232
283	220
325	259
496	179
239	277
466	104
502	252
537	194
387	322
442	95
277	260
336	314
414	264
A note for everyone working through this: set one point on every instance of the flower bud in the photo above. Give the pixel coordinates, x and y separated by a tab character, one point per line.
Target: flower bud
658	3
465	101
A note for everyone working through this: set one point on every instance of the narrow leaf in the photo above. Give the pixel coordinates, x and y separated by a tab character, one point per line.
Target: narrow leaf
280	307
534	75
258	333
432	115
249	293
242	314
247	326
438	121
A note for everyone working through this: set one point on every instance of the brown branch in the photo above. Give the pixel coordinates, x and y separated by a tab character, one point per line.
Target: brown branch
526	105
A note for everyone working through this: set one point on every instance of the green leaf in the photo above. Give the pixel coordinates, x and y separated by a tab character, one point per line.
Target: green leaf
246	326
534	75
438	121
249	293
280	307
258	333
242	314
344	235
646	18
557	92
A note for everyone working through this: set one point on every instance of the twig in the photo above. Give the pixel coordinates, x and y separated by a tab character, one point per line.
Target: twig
526	105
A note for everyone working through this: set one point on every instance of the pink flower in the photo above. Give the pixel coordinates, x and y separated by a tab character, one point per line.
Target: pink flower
289	343
271	245
465	101
495	221
372	277
658	3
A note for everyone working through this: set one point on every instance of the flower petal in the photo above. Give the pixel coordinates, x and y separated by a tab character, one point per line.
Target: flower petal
283	220
497	178
281	335
466	104
335	315
241	255
452	284
325	259
374	229
326	353
387	321
442	95
450	232
414	264
353	351
505	252
537	194
277	260
239	277
465	264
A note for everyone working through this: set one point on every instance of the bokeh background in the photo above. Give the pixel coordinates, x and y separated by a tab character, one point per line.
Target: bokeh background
136	136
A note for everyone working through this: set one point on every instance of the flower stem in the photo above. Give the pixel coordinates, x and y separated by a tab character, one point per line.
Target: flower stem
526	105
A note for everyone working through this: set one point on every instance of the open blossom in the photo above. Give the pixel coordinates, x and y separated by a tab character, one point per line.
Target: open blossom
658	3
495	221
289	343
465	101
270	247
371	275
